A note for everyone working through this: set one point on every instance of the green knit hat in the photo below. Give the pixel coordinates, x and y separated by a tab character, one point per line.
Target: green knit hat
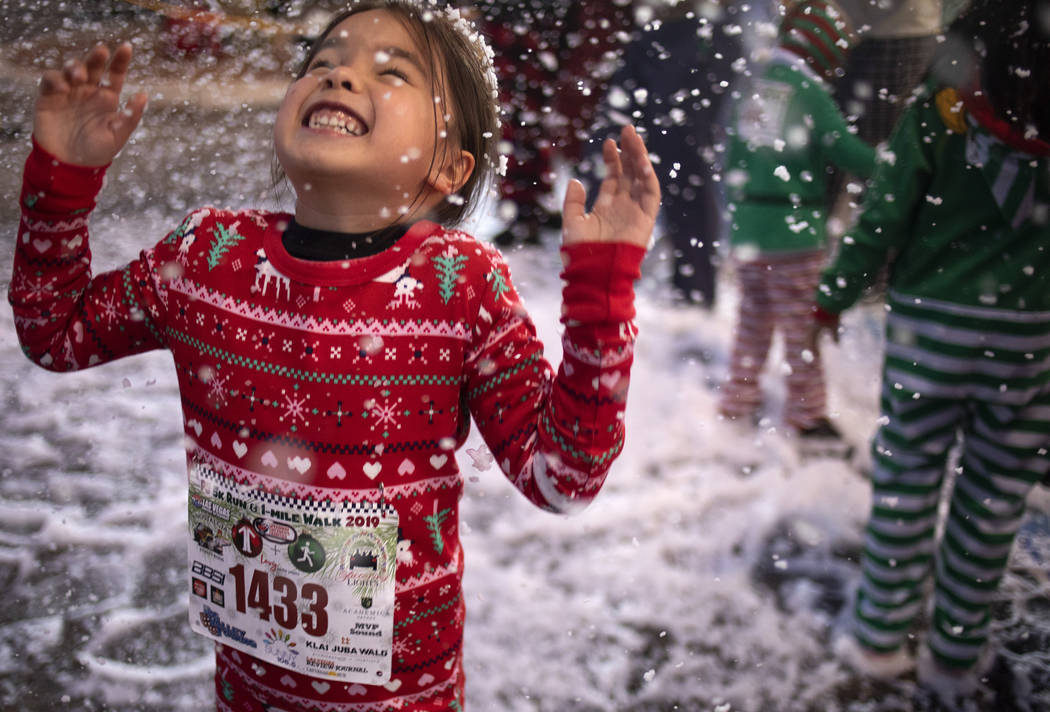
817	31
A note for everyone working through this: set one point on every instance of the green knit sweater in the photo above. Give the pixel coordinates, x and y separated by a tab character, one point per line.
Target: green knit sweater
784	131
962	218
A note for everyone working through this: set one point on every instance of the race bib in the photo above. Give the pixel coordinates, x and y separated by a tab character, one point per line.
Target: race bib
305	585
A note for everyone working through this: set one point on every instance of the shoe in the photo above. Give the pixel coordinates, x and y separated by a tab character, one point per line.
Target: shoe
741	420
823	439
871	663
956	689
822	429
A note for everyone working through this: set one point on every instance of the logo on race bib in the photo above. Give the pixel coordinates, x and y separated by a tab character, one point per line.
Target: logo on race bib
220	629
247	539
306	554
281	647
274	531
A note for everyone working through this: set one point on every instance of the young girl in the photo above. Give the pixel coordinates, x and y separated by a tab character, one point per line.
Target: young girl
965	207
330	361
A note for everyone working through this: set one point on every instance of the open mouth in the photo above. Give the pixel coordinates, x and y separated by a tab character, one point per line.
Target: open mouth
335	118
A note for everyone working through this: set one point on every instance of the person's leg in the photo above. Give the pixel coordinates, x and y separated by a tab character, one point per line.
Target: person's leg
1004	455
679	77
687	220
909	454
793	282
741	393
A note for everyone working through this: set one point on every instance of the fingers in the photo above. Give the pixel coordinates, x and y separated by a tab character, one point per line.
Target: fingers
613	181
575	201
638	171
74	72
92	70
53	82
95	64
118	67
611	156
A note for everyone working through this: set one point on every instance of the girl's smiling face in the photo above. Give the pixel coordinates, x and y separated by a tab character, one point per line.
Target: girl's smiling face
362	127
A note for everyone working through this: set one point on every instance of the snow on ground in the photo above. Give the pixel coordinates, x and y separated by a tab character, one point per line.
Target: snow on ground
709	574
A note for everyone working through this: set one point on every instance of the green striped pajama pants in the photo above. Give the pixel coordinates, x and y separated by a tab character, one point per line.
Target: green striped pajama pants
953	374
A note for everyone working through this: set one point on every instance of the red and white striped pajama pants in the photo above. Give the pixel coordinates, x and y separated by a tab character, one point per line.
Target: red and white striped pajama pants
776	293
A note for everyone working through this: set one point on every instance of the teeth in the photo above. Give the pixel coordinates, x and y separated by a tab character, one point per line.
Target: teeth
337	121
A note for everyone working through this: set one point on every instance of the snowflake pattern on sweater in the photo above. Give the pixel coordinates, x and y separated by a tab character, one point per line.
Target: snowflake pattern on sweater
348	381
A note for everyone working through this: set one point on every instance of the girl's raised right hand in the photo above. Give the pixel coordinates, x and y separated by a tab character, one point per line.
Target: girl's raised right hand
78	117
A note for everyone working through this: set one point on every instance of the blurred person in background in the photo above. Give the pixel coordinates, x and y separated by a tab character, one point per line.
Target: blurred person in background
672	82
784	131
897	42
551	58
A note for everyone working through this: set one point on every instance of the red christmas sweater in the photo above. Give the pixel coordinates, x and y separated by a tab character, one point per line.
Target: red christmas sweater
350	381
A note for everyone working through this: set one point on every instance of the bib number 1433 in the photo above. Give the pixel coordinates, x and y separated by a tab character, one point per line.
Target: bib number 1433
284	610
302	584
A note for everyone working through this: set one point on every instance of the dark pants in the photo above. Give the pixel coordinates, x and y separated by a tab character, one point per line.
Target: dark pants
671	80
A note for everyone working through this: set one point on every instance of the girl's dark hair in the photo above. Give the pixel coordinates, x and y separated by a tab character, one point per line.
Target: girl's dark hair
455	53
1011	41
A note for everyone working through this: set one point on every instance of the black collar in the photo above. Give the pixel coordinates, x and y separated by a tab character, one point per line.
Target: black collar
306	243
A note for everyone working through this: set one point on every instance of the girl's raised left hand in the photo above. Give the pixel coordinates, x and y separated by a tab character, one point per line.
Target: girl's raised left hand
78	117
628	198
